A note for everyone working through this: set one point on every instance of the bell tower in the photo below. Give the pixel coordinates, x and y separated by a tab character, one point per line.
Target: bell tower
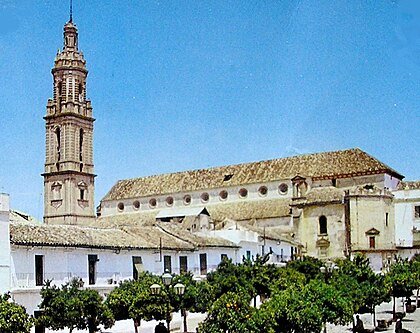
68	174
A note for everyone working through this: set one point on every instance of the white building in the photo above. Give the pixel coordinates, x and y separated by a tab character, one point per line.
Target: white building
407	218
4	243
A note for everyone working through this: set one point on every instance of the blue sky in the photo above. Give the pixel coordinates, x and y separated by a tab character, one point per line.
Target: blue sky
178	85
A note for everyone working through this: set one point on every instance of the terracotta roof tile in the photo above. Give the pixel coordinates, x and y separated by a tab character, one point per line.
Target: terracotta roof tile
409	185
123	237
333	164
250	209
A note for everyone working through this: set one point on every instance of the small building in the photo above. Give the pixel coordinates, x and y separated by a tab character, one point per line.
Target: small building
407	218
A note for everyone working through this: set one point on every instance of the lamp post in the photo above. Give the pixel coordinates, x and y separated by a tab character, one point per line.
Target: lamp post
179	289
327	270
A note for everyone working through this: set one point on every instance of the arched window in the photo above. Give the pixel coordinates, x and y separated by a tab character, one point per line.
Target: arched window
82	190
58	138
81	133
323	230
80	92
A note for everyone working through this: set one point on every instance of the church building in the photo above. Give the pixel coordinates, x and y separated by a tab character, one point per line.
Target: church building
327	205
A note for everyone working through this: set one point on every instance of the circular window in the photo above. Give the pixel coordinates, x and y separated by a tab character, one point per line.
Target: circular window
121	206
136	204
263	190
187	199
223	195
169	201
152	203
283	188
205	197
243	192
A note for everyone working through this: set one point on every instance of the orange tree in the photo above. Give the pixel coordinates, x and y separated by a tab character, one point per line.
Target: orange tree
132	299
13	317
73	307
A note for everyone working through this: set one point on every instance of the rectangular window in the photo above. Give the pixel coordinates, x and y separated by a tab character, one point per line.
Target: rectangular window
183	264
167	264
223	256
248	255
291	253
372	242
137	267
417	212
386	219
39	270
203	263
92	260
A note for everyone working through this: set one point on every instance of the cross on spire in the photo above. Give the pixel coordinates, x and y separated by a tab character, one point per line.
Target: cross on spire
71	10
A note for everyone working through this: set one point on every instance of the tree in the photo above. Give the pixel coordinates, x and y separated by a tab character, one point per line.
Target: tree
132	299
288	311
415	268
13	317
400	280
334	303
365	287
230	277
73	307
230	313
308	266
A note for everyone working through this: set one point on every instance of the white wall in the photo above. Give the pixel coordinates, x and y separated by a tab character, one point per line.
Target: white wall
404	203
4	243
110	207
61	264
252	242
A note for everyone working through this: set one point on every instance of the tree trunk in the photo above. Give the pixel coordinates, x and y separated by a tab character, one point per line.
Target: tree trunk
417	297
185	320
374	316
136	325
393	308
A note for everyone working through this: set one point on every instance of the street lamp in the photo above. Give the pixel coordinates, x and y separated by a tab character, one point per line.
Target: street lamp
327	270
179	289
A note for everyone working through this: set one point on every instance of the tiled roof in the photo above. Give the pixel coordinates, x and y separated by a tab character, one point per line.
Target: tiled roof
409	185
126	237
273	233
334	164
126	219
250	209
196	238
320	195
17	216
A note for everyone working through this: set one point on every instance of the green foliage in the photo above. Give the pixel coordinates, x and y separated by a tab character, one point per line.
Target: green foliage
73	307
230	278
415	270
132	299
230	313
334	304
288	311
400	278
308	266
13	317
365	287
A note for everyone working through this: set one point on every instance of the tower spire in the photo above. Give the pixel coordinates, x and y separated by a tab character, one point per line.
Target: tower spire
71	11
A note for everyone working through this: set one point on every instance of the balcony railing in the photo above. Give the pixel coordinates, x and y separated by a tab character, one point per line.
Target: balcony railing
27	280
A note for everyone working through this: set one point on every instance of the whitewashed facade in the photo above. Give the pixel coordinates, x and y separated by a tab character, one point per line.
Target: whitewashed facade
4	243
407	218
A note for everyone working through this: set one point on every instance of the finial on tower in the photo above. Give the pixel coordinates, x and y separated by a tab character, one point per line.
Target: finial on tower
71	11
